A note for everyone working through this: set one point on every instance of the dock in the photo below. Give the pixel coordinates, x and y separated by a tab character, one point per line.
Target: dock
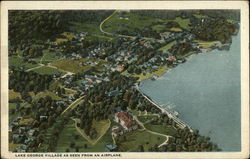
170	114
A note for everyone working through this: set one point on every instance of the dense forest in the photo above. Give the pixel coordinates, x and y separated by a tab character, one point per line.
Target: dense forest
45	24
172	14
22	81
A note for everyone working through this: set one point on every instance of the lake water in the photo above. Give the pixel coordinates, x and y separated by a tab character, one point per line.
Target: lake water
205	91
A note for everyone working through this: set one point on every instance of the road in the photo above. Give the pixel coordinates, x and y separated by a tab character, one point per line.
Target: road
86	137
152	132
73	104
120	35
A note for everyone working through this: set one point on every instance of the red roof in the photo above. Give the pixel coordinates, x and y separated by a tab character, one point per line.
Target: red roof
127	118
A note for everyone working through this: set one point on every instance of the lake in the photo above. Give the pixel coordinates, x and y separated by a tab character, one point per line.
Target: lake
205	91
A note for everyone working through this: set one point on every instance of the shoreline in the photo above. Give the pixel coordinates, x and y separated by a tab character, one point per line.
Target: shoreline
167	69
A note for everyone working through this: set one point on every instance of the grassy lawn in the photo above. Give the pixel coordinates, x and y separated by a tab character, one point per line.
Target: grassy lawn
44	70
68	36
86	27
68	135
12	116
134	112
136	138
74	65
14	95
129	22
146	118
160	71
158	27
167	46
69	91
205	43
70	65
18	62
48	56
175	29
184	23
47	93
168	130
101	127
100	38
200	16
13	146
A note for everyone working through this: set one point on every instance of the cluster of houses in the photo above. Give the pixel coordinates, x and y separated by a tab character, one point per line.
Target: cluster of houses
21	133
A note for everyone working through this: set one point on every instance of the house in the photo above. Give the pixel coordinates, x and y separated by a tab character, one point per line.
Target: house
113	93
171	58
43	118
17	138
120	68
110	147
11	127
29	139
126	120
22	148
21	129
31	132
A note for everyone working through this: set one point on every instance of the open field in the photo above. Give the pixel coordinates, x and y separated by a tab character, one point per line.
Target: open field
127	22
44	70
135	138
146	118
101	128
175	29
167	130
68	135
70	65
184	23
200	15
167	46
86	27
68	36
14	95
18	62
48	56
160	71
75	65
158	27
202	43
47	93
13	146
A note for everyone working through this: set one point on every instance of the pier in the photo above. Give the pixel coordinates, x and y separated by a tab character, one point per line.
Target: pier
170	114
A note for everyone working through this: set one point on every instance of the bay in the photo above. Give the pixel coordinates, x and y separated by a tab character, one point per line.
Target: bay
205	91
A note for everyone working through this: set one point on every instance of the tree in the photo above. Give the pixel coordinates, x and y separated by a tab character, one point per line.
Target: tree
85	146
72	144
140	148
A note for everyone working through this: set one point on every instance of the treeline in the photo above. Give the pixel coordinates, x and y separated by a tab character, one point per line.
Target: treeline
172	14
42	25
21	81
183	139
214	29
181	48
39	25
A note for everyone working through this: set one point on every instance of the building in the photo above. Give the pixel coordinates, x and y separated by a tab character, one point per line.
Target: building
113	93
126	120
110	147
171	58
